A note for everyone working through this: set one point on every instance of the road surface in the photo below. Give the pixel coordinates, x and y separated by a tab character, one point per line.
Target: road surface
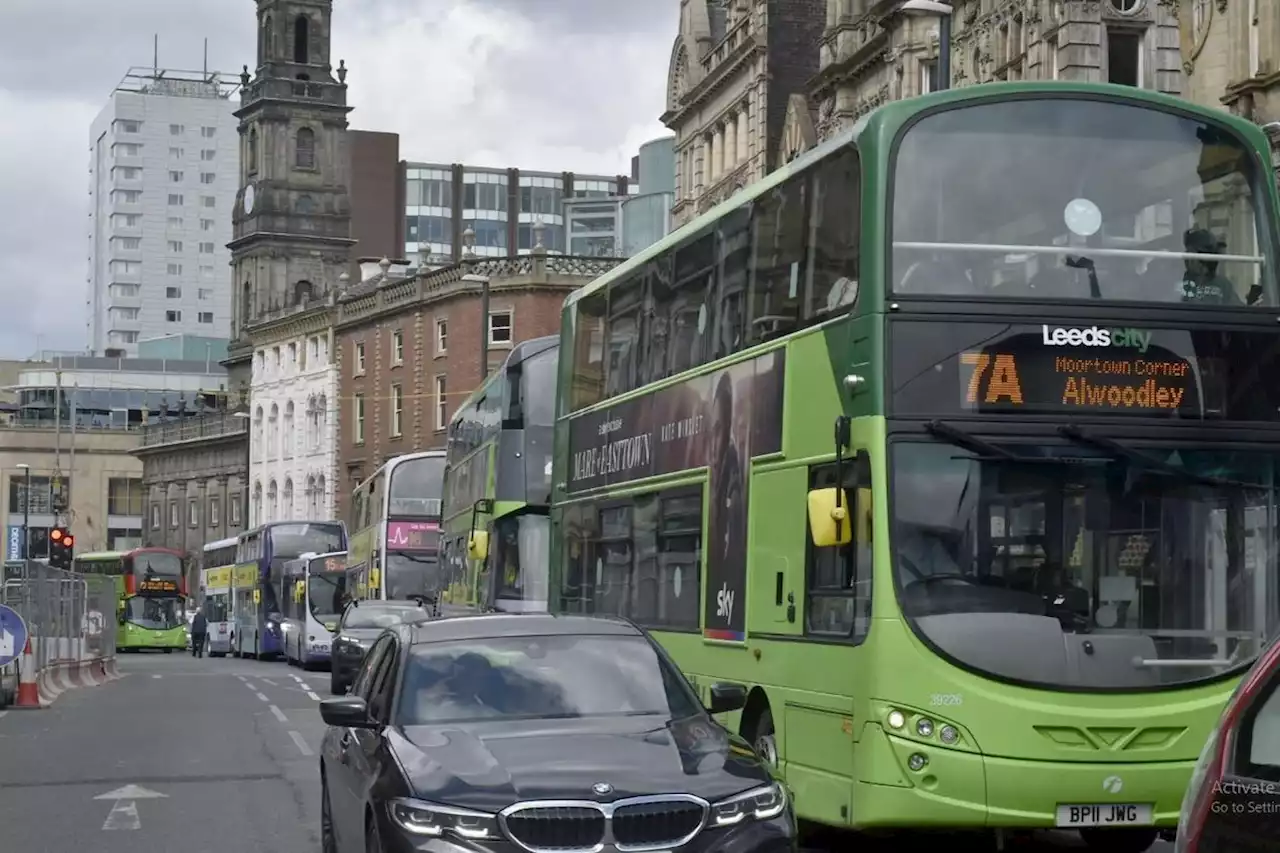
199	756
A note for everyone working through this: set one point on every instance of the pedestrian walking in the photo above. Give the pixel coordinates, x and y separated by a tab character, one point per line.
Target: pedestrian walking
199	628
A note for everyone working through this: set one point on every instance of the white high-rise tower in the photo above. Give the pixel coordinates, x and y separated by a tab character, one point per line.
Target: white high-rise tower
164	169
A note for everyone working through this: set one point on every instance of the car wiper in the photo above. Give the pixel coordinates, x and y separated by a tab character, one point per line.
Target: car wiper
1079	436
954	435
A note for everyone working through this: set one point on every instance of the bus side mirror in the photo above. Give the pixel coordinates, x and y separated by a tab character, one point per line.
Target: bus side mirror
299	591
478	545
829	517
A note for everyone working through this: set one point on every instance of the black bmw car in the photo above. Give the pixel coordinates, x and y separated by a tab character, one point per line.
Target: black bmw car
535	733
360	625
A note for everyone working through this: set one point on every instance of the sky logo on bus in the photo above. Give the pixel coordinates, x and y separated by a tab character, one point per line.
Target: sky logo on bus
1095	336
724	603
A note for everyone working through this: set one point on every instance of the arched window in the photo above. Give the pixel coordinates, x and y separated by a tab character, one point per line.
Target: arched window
305	204
268	40
305	153
246	304
288	436
301	292
253	150
301	27
288	498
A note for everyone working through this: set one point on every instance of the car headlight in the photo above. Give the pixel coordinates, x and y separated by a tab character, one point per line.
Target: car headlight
433	819
761	803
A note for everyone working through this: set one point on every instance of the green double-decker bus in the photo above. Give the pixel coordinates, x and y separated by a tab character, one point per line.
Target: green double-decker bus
150	591
497	484
955	440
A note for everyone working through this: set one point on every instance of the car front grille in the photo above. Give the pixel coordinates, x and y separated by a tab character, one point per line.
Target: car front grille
636	824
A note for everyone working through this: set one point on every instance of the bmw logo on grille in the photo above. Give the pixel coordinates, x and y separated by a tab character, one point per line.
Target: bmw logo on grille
602	788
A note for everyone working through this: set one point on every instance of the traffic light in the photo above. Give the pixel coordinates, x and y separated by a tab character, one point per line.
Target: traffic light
61	548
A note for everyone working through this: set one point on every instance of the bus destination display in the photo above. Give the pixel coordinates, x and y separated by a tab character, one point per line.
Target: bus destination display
1061	368
157	585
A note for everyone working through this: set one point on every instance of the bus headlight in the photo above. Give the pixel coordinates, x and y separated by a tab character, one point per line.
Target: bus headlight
896	719
432	819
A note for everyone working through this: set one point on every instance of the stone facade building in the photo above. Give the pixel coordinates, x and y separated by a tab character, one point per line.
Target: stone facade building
194	480
871	53
734	65
409	348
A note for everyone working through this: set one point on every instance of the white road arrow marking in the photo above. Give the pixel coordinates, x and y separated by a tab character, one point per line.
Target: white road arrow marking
124	814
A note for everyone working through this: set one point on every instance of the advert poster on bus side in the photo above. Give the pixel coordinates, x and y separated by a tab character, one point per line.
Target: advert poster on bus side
720	420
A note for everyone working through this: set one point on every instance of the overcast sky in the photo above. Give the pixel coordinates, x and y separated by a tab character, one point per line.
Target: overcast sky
540	84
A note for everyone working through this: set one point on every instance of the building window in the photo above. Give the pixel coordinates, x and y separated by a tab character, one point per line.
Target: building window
204	293
500	327
208	155
175	223
442	337
359	360
208	178
397	411
397	347
253	150
155	516
176	153
175	199
357	417
208	201
206	248
301	36
175	177
176	130
173	316
306	149
1124	57
175	247
442	410
174	518
173	293
173	269
124	496
193	513
236	510
215	511
205	317
208	132
127	126
207	225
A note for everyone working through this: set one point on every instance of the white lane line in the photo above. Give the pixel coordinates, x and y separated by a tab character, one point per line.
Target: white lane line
251	685
263	697
157	676
3	714
299	679
311	694
123	815
279	714
301	744
241	677
269	681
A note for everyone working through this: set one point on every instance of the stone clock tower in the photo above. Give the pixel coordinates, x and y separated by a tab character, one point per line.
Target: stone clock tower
292	228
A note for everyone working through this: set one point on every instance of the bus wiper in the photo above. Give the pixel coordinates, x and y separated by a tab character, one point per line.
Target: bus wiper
1079	436
1079	262
960	438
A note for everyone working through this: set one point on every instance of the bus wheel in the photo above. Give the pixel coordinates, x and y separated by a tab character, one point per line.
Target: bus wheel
1118	840
764	739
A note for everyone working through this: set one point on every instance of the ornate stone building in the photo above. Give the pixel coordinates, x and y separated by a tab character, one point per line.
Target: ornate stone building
733	67
872	53
409	347
292	243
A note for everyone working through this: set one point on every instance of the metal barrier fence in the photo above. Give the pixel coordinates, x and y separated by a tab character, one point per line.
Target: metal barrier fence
70	617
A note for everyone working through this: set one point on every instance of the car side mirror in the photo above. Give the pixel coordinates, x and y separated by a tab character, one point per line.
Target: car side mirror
347	711
727	696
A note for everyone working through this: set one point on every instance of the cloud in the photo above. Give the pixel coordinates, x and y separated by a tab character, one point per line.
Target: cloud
539	84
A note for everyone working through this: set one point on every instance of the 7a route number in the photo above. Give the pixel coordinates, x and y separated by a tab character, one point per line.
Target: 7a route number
938	700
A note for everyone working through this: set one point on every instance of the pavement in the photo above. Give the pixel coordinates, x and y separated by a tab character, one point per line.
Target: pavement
206	756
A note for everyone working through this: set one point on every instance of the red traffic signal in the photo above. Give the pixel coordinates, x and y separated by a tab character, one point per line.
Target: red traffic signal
56	534
68	540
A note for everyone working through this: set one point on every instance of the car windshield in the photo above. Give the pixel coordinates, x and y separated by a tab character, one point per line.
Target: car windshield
158	614
1113	201
366	616
544	677
1106	567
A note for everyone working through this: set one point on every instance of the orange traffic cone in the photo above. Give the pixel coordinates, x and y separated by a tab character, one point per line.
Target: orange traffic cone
28	691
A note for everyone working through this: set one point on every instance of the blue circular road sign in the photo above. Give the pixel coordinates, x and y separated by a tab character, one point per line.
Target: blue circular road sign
13	635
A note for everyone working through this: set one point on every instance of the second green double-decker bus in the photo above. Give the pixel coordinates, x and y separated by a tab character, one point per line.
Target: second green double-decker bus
150	592
955	441
497	484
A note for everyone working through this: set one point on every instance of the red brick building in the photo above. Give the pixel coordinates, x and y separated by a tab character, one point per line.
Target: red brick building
408	348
